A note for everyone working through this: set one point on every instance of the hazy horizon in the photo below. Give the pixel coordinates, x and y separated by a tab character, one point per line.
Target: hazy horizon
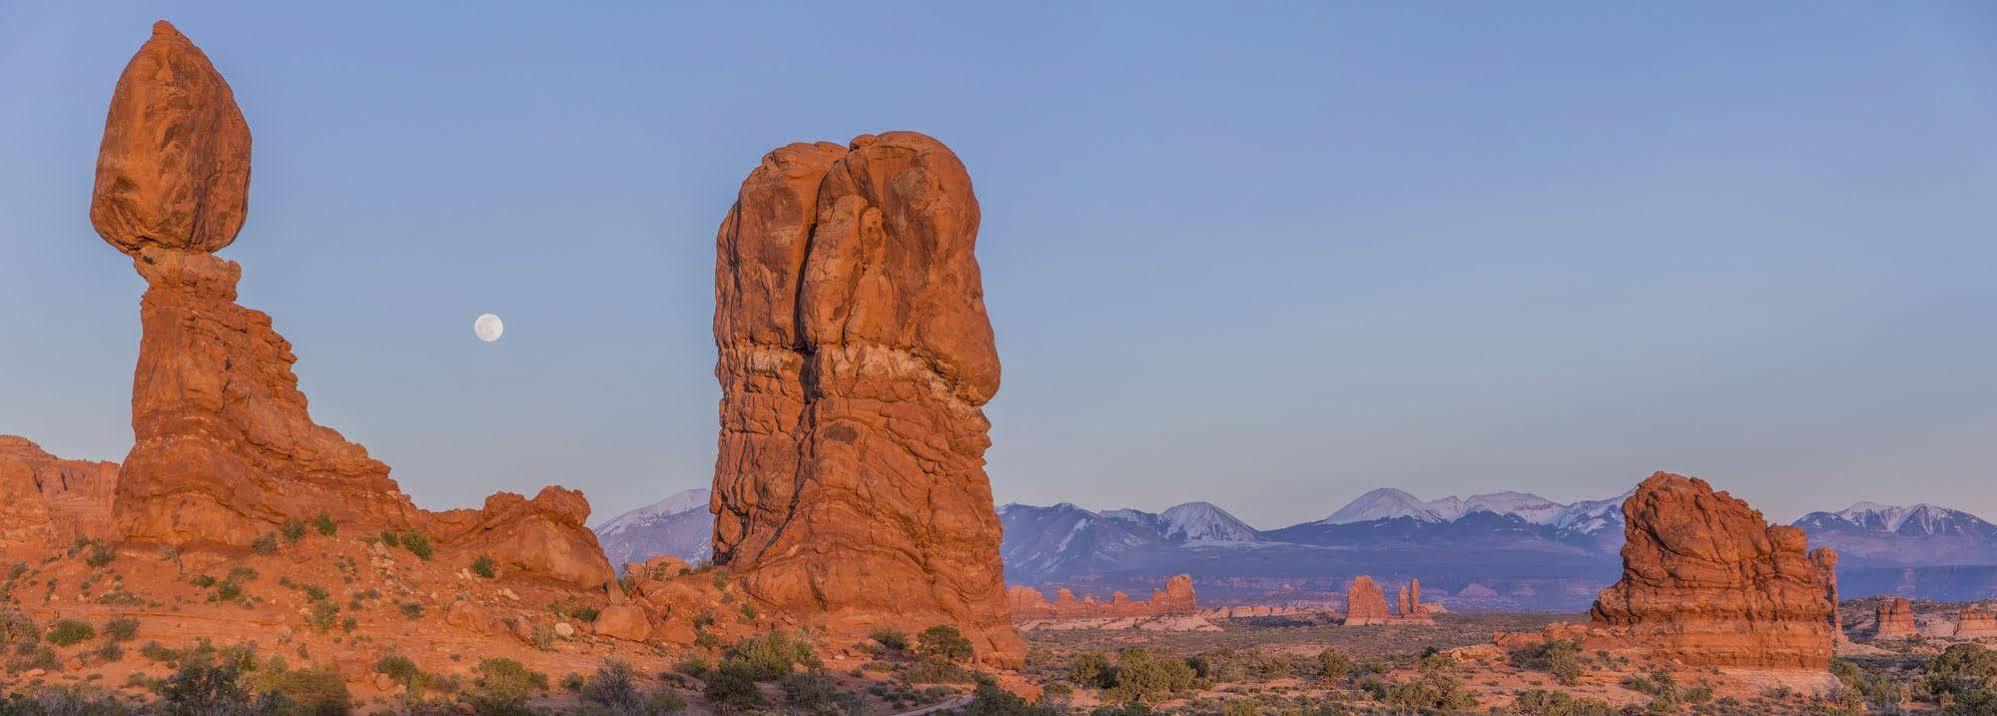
1270	261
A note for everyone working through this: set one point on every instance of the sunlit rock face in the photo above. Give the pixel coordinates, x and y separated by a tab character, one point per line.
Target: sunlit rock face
46	501
855	358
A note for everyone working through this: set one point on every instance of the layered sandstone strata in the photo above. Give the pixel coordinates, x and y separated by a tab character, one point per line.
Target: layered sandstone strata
1175	599
225	450
1976	622
855	358
48	501
1708	582
1895	619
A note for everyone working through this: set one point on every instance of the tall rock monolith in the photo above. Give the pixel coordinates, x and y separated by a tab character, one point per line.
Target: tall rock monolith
855	359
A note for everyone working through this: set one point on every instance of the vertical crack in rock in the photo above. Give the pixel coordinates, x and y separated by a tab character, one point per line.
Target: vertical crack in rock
855	359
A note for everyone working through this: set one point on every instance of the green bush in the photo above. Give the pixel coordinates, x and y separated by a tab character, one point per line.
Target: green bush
990	700
388	537
483	567
324	524
294	531
418	544
945	642
1540	702
121	628
503	685
1092	668
818	694
412	610
1142	677
207	689
1431	692
732	687
770	655
318	691
1559	658
1963	672
325	616
17	628
99	554
70	632
1333	665
267	544
893	639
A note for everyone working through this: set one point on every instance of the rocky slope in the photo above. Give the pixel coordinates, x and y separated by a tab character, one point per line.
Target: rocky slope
48	502
855	358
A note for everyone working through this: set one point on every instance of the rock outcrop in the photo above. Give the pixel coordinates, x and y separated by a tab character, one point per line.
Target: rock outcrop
855	356
1975	622
224	448
1708	582
1896	620
48	501
1366	604
1175	599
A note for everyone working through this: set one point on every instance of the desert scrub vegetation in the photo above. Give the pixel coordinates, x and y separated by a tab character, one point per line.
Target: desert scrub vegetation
265	545
613	689
944	642
483	566
1137	676
818	693
503	686
1560	659
121	629
1540	702
70	632
324	525
1431	692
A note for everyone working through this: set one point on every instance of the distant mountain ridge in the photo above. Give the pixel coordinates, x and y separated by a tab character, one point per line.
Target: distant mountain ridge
678	525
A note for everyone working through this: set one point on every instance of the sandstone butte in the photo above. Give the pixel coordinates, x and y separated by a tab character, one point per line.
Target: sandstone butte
1975	622
224	450
1896	620
48	502
1707	582
1366	604
855	358
1175	599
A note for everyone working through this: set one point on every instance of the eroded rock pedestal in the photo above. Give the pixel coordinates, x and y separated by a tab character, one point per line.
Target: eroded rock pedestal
1975	622
225	450
1708	582
47	501
1896	619
1366	604
855	357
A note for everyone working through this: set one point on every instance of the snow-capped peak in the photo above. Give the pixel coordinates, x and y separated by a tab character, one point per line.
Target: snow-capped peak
674	504
1385	503
1925	518
1205	521
1525	505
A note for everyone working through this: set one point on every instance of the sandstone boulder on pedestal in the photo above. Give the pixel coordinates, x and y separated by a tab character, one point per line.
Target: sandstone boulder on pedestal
1708	582
855	357
47	501
1896	620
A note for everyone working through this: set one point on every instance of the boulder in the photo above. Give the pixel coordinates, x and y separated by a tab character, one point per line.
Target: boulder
623	621
855	358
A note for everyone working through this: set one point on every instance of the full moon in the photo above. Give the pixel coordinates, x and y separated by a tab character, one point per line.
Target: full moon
488	328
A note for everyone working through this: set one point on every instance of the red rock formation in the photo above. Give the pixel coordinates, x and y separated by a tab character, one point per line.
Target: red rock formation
49	501
1896	620
1707	582
1176	599
1365	603
225	450
855	356
1975	622
174	168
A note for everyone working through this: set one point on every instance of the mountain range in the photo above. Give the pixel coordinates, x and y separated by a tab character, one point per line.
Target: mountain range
1502	550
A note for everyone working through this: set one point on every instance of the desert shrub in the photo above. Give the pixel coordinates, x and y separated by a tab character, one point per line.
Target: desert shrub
325	616
693	666
818	694
504	685
98	554
1540	702
157	652
1431	692
64	700
1965	674
1142	677
770	655
627	584
937	670
893	639
732	688
1559	658
227	590
418	544
17	628
27	657
544	637
317	691
108	651
204	689
482	566
1092	668
202	580
1333	665
612	686
388	537
70	632
324	524
267	544
314	592
990	700
411	610
294	531
945	642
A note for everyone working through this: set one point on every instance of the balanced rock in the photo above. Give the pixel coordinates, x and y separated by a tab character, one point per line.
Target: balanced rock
1896	619
48	501
1707	582
174	168
1975	622
1365	603
855	358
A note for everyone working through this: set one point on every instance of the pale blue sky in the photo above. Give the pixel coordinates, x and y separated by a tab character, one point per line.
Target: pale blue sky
1269	255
